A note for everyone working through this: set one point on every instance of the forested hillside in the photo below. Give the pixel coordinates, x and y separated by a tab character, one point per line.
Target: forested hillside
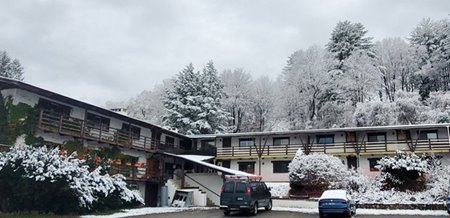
351	81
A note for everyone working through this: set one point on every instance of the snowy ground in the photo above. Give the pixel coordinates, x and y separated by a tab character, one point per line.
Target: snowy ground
147	211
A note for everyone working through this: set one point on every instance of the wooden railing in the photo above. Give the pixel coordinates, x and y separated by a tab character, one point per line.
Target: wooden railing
54	122
289	151
135	173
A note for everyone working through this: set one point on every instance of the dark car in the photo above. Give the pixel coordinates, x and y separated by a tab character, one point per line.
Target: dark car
244	195
336	202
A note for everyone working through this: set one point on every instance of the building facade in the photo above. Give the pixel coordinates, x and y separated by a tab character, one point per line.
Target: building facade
269	153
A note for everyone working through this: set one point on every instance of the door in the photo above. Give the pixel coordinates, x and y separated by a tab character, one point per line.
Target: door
226	142
151	194
153	167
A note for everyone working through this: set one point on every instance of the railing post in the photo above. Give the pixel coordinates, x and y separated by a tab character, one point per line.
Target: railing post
324	148
365	147
145	141
287	150
100	133
345	150
232	151
268	153
41	114
250	151
429	143
60	123
82	128
385	145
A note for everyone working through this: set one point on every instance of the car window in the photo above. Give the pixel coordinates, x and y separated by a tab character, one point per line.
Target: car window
241	187
254	186
228	187
264	187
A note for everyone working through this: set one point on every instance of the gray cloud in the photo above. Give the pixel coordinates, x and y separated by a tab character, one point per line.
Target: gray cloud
111	50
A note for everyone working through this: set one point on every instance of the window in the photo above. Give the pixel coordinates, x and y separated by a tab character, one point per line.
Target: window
280	166
280	141
170	141
207	144
228	187
372	163
325	139
376	137
97	122
248	167
54	107
226	164
135	131
246	142
241	187
430	134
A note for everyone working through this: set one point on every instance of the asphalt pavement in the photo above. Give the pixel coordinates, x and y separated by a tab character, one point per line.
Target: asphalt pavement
216	213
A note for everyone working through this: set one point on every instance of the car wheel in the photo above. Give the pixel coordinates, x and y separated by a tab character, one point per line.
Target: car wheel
226	212
255	209
269	206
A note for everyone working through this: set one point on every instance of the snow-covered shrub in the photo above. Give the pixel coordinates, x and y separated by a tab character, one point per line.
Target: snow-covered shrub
318	172
404	171
41	179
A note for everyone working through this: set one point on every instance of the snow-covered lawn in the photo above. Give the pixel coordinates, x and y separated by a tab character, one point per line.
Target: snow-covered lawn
146	211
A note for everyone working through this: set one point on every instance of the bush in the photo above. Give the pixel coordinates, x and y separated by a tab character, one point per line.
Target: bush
40	179
318	172
404	171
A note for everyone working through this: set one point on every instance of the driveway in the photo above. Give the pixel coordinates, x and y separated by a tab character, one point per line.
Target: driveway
216	213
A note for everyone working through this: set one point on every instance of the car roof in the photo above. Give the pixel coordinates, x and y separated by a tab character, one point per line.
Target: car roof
334	194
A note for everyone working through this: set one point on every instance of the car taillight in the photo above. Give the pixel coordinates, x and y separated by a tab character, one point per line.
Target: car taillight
248	190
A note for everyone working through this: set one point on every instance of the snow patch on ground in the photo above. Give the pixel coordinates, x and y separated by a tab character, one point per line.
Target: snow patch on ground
278	189
146	211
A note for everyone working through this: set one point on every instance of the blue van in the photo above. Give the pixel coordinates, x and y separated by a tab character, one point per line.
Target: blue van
336	202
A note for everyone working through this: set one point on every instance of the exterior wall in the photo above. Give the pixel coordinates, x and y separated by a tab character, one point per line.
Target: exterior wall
213	181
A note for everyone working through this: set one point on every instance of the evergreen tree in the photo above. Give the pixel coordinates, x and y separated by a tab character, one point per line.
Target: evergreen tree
3	121
10	68
346	38
192	104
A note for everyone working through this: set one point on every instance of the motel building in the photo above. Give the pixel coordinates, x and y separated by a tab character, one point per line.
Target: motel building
155	159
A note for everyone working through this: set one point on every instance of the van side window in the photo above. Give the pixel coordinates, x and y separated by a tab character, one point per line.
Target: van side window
254	186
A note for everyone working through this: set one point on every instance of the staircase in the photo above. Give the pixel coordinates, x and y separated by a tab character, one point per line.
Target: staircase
209	183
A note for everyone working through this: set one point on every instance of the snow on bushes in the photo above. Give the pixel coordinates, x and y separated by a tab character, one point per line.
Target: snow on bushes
42	179
320	172
403	171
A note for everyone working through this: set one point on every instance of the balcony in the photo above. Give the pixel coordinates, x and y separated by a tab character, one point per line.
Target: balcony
137	173
364	148
64	125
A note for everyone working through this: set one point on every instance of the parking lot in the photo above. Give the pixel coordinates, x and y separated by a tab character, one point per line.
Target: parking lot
216	213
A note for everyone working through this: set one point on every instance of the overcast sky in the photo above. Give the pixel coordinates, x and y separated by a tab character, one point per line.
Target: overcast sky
97	51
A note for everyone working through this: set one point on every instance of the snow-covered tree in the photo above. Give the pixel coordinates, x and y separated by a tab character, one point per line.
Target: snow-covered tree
375	113
45	180
346	38
192	103
306	84
395	61
10	68
236	99
147	105
261	105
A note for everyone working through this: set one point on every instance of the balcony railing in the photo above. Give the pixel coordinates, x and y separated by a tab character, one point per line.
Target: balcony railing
288	151
54	122
134	173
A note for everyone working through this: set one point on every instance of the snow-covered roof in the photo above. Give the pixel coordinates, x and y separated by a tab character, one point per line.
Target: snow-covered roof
199	159
334	194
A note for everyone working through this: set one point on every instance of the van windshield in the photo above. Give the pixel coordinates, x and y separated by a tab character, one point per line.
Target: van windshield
241	187
228	187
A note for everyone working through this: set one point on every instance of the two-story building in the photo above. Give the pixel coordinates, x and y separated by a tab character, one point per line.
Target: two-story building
269	153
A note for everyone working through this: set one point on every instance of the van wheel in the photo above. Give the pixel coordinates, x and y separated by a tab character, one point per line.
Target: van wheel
255	209
226	212
269	206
